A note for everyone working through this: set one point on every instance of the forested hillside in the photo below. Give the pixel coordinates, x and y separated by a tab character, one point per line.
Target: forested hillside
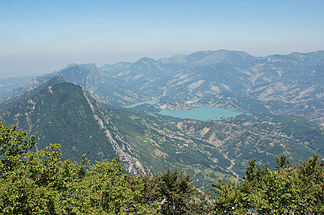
42	183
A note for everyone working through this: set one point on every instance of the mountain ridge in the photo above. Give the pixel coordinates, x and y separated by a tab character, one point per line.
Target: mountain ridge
64	113
276	84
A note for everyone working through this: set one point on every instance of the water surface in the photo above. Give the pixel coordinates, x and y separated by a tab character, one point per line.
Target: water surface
204	113
150	102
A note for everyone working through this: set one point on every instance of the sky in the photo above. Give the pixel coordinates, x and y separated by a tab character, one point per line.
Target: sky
39	36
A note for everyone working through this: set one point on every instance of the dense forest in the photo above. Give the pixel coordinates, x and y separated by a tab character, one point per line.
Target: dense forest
41	182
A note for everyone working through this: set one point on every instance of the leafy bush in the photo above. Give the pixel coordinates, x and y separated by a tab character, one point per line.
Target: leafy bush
289	189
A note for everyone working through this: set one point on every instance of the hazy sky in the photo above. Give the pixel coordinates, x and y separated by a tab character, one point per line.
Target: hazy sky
40	36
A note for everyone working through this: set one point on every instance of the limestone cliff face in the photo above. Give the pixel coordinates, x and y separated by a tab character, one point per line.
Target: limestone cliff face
85	75
122	149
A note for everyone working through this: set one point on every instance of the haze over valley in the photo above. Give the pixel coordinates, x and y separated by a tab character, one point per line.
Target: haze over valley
161	107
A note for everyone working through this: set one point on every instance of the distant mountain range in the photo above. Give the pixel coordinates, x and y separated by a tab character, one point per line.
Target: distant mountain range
80	108
64	113
278	84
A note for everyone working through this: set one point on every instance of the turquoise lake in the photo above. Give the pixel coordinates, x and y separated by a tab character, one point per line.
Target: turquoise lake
204	113
150	102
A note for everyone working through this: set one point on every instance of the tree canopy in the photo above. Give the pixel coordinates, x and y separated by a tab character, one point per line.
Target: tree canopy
289	189
40	182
